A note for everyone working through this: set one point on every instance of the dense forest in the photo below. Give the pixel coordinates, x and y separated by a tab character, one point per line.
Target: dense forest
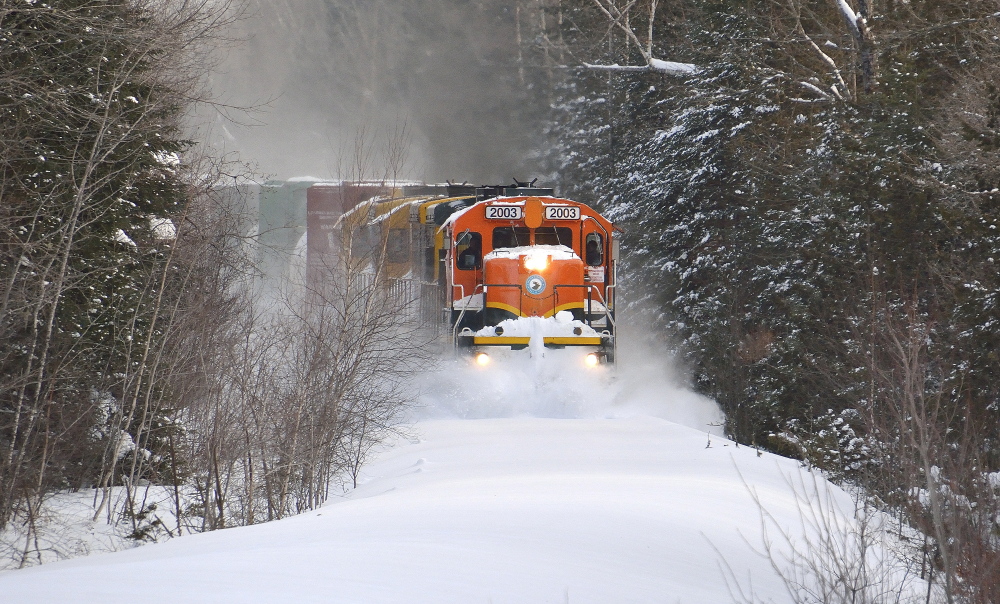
139	349
811	202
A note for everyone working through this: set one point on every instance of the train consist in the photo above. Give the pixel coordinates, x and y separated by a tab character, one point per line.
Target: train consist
514	267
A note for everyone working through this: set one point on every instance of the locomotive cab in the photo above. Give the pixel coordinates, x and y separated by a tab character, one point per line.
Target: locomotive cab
531	272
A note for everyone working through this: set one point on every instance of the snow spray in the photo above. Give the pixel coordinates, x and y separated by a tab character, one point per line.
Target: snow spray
555	383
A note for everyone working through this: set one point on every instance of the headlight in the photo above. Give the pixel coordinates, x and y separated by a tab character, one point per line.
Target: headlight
592	360
482	359
536	262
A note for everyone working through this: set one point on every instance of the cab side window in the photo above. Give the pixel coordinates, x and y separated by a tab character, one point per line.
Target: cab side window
595	250
469	248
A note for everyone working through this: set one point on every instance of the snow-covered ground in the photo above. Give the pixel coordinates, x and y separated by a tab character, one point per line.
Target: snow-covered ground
67	528
577	499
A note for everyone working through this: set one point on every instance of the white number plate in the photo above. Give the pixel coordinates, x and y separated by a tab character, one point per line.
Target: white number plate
562	213
504	212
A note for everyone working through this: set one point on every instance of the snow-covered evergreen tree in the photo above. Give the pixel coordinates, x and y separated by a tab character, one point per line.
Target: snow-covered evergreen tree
811	216
91	101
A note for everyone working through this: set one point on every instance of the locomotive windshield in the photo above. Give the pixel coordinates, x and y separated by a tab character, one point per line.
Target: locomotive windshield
554	236
507	237
510	237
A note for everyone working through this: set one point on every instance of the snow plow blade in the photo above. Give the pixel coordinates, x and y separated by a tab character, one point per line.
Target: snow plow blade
524	341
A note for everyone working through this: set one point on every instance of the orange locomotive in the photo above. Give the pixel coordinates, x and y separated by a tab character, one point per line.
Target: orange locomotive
529	268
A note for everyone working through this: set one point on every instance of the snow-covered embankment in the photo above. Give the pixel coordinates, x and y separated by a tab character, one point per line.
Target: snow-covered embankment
571	507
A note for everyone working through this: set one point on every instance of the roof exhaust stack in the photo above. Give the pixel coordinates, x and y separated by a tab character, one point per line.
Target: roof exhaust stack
518	189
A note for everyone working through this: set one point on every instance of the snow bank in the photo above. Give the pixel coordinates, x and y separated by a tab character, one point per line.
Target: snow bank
312	179
502	511
66	527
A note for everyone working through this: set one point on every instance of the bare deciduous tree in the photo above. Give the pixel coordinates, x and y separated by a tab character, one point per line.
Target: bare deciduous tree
93	98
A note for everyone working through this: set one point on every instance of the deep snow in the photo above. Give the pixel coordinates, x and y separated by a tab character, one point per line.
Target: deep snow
501	510
563	487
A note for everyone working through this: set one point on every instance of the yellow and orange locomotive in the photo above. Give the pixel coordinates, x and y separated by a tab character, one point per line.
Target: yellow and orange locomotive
526	268
515	267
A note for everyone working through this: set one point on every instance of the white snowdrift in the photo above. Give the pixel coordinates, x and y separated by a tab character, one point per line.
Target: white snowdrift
565	488
501	510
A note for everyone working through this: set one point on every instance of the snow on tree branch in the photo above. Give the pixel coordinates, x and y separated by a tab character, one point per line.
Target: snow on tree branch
819	90
672	67
850	17
668	67
619	19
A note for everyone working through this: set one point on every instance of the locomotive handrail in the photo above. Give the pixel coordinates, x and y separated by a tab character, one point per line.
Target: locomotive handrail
608	314
607	311
458	321
591	288
517	285
586	315
461	291
611	319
